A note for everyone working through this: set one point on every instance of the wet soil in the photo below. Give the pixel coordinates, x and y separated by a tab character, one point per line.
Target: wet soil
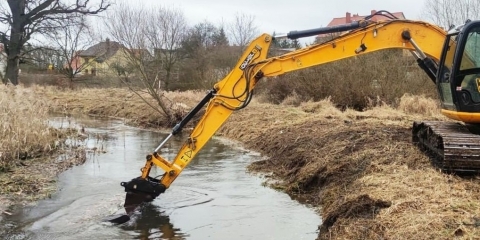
36	178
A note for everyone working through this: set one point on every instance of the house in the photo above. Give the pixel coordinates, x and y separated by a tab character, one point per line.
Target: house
76	63
99	58
349	18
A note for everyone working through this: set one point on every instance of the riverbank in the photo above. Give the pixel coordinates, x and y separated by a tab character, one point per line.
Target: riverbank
35	179
32	153
359	168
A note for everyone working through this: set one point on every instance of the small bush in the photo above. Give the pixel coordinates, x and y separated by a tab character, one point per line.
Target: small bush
419	105
324	107
352	83
293	100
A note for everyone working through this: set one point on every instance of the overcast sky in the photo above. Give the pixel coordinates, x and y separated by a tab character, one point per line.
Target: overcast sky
283	16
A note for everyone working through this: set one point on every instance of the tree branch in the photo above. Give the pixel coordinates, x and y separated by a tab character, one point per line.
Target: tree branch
79	7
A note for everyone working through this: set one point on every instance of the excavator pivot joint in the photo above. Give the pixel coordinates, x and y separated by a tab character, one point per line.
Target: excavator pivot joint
406	35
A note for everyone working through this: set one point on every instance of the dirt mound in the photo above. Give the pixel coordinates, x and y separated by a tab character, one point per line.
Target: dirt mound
321	152
321	159
361	207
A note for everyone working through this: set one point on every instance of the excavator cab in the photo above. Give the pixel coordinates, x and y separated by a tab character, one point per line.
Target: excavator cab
452	146
458	77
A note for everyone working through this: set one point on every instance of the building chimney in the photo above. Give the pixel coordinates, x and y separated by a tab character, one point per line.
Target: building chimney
348	17
373	12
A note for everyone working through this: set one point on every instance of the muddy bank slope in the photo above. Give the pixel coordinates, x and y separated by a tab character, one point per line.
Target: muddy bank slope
359	167
362	170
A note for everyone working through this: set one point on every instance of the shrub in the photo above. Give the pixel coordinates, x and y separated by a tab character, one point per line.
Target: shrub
419	105
385	76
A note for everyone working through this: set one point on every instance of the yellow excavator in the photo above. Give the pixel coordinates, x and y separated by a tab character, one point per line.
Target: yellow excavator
450	58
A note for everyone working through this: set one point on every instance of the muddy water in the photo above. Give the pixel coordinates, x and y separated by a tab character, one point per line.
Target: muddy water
214	198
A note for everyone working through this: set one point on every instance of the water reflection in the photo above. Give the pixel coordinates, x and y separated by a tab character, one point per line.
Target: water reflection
214	198
152	223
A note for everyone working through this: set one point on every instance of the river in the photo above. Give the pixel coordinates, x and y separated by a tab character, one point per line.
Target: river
213	198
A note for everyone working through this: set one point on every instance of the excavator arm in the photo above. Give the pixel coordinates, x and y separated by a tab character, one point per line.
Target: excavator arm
400	34
235	91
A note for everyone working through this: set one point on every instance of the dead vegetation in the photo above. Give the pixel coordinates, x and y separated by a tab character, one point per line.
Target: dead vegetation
359	168
119	102
356	83
28	146
24	128
362	170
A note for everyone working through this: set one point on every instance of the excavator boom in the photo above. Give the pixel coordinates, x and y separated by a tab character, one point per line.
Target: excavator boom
234	92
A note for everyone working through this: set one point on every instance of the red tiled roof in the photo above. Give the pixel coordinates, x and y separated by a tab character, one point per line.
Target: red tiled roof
102	51
356	17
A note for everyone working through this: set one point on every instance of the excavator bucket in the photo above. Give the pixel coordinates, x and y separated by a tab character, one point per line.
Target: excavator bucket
132	201
138	191
135	199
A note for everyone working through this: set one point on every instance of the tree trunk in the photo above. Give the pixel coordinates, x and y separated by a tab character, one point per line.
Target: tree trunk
167	79
15	43
11	75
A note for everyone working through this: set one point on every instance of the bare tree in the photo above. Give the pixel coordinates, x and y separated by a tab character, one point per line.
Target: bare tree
243	29
150	38
172	31
40	57
208	56
28	17
446	13
72	37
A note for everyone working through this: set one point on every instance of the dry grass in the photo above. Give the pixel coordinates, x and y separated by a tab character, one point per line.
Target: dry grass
24	131
359	168
28	147
414	104
426	204
324	108
292	100
118	102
